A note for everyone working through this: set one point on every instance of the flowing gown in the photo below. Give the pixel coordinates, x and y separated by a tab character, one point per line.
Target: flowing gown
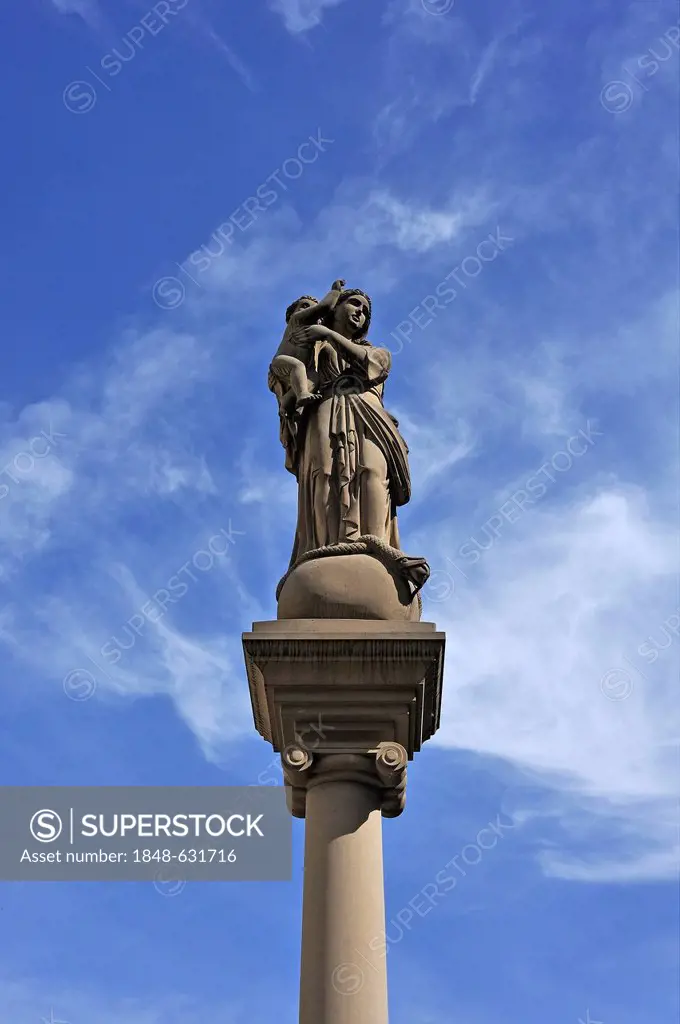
349	458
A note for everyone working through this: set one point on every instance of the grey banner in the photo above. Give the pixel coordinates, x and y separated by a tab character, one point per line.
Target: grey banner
165	834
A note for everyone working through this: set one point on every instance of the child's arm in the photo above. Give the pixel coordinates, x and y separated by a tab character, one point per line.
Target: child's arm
327	305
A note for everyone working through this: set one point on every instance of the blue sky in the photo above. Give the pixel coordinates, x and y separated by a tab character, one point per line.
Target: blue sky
502	179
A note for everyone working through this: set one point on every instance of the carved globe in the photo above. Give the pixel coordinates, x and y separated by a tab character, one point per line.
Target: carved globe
353	586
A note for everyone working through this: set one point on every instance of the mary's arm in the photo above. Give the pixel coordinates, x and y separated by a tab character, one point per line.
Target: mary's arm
351	348
377	362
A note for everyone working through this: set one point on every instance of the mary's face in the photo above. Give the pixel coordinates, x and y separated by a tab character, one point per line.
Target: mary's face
351	315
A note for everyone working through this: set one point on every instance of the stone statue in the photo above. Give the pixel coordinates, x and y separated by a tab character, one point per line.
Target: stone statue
351	465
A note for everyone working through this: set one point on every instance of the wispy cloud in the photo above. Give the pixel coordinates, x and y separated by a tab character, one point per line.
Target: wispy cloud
421	84
484	68
122	449
532	629
88	10
301	15
235	62
412	227
203	27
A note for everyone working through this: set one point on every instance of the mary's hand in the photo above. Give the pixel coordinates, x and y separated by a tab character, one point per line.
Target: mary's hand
308	335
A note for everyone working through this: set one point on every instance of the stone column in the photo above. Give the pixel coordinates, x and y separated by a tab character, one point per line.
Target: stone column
344	970
347	703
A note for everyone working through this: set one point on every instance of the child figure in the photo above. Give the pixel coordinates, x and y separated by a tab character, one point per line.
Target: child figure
291	362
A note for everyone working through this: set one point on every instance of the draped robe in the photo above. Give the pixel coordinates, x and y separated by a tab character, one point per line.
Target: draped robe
349	458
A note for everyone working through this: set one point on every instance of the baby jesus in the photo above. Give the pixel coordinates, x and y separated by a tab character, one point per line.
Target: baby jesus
292	360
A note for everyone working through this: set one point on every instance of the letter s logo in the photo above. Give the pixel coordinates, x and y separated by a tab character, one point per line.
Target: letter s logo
45	826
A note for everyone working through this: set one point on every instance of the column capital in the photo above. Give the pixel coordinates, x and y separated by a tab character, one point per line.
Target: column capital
382	768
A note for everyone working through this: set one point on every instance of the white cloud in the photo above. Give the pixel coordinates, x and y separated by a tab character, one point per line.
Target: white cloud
234	61
421	84
88	10
104	444
301	15
436	446
412	227
484	68
560	601
122	454
33	479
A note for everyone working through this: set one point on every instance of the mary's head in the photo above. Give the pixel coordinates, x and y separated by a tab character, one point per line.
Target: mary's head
352	314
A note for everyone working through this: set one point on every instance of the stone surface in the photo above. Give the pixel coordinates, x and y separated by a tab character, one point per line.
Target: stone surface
347	586
345	685
343	977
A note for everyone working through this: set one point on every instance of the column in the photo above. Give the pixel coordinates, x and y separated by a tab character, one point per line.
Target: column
343	980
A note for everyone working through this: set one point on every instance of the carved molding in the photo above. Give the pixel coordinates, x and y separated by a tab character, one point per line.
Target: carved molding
365	681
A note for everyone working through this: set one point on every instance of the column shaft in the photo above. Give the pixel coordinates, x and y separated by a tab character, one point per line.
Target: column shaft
342	980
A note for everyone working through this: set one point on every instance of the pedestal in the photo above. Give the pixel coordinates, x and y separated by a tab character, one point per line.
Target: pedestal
345	685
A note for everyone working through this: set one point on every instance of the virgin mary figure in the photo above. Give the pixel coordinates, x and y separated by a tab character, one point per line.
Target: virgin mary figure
346	452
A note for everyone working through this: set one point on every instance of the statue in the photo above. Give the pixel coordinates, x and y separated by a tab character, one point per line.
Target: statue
351	465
